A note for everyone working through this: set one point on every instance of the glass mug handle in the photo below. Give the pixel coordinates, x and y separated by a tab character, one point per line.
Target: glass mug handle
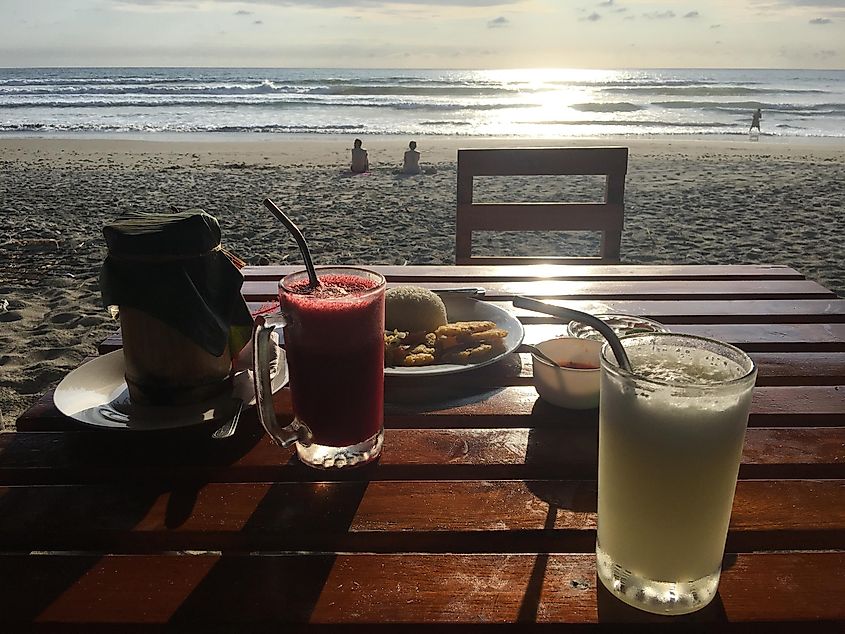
261	358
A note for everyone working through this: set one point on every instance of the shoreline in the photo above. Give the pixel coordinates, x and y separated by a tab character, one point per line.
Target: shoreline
686	201
333	149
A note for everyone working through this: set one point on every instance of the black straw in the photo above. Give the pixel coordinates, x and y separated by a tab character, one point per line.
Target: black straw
313	282
568	313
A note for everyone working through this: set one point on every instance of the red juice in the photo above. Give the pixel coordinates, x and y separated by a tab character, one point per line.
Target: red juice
334	341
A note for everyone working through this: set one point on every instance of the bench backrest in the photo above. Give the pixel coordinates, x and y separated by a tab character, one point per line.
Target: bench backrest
606	217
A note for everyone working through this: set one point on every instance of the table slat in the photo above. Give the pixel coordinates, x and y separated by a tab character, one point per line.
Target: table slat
795	406
388	589
566	452
691	311
259	290
750	337
389	516
519	406
475	273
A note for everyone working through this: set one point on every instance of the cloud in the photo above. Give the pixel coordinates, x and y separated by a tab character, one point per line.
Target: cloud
821	21
659	15
609	4
691	14
836	4
498	23
593	17
715	26
829	7
802	54
242	12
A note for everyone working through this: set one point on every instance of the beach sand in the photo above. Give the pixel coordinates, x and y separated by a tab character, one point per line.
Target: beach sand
687	201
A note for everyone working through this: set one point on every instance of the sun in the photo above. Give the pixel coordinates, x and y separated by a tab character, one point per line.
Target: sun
542	99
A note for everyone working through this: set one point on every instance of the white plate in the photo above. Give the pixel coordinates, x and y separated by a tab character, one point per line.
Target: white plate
462	308
95	393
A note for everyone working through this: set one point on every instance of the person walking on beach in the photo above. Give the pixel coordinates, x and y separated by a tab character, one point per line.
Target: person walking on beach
360	162
755	121
411	162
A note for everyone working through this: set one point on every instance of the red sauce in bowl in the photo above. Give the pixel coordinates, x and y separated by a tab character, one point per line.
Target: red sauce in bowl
575	365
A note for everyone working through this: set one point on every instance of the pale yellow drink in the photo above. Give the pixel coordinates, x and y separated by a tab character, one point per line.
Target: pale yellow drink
670	442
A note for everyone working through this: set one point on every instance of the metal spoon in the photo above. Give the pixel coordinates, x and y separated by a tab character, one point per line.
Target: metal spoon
468	290
228	428
539	353
242	392
586	318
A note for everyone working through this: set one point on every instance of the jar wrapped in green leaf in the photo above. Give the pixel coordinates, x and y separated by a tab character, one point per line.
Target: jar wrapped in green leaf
182	316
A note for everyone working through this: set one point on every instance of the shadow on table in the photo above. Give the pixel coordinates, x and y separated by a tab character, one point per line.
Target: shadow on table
284	554
562	445
560	454
265	584
32	584
83	511
428	393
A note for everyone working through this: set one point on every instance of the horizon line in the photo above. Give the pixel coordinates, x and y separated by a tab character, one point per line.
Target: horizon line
455	68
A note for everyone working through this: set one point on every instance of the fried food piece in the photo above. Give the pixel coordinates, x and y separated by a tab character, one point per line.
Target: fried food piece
466	339
444	342
473	352
463	357
459	328
476	354
489	335
408	349
422	349
394	338
414	355
393	343
417	359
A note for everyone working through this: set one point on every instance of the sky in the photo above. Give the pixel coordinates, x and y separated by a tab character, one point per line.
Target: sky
424	33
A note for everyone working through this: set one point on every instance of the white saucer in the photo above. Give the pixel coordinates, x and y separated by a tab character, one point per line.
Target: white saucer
95	393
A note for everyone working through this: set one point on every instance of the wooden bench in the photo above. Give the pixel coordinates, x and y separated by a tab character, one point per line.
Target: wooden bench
606	217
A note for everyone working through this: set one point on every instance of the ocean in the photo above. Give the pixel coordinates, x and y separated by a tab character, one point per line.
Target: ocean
538	103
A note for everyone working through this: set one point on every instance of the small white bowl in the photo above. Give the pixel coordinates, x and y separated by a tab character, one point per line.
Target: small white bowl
572	388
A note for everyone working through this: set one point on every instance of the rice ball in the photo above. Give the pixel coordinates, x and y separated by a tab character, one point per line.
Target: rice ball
413	309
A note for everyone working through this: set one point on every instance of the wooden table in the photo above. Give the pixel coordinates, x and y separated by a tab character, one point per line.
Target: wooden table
481	511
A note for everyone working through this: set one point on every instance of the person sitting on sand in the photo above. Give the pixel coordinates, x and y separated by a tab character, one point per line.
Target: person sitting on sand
360	162
755	120
411	163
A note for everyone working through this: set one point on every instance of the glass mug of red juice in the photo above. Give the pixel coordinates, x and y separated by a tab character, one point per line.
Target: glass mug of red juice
334	342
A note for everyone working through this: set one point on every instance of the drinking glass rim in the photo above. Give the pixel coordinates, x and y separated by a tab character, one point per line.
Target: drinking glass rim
382	281
582	330
615	368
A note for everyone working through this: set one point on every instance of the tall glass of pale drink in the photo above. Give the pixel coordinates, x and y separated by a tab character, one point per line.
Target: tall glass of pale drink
670	441
334	341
